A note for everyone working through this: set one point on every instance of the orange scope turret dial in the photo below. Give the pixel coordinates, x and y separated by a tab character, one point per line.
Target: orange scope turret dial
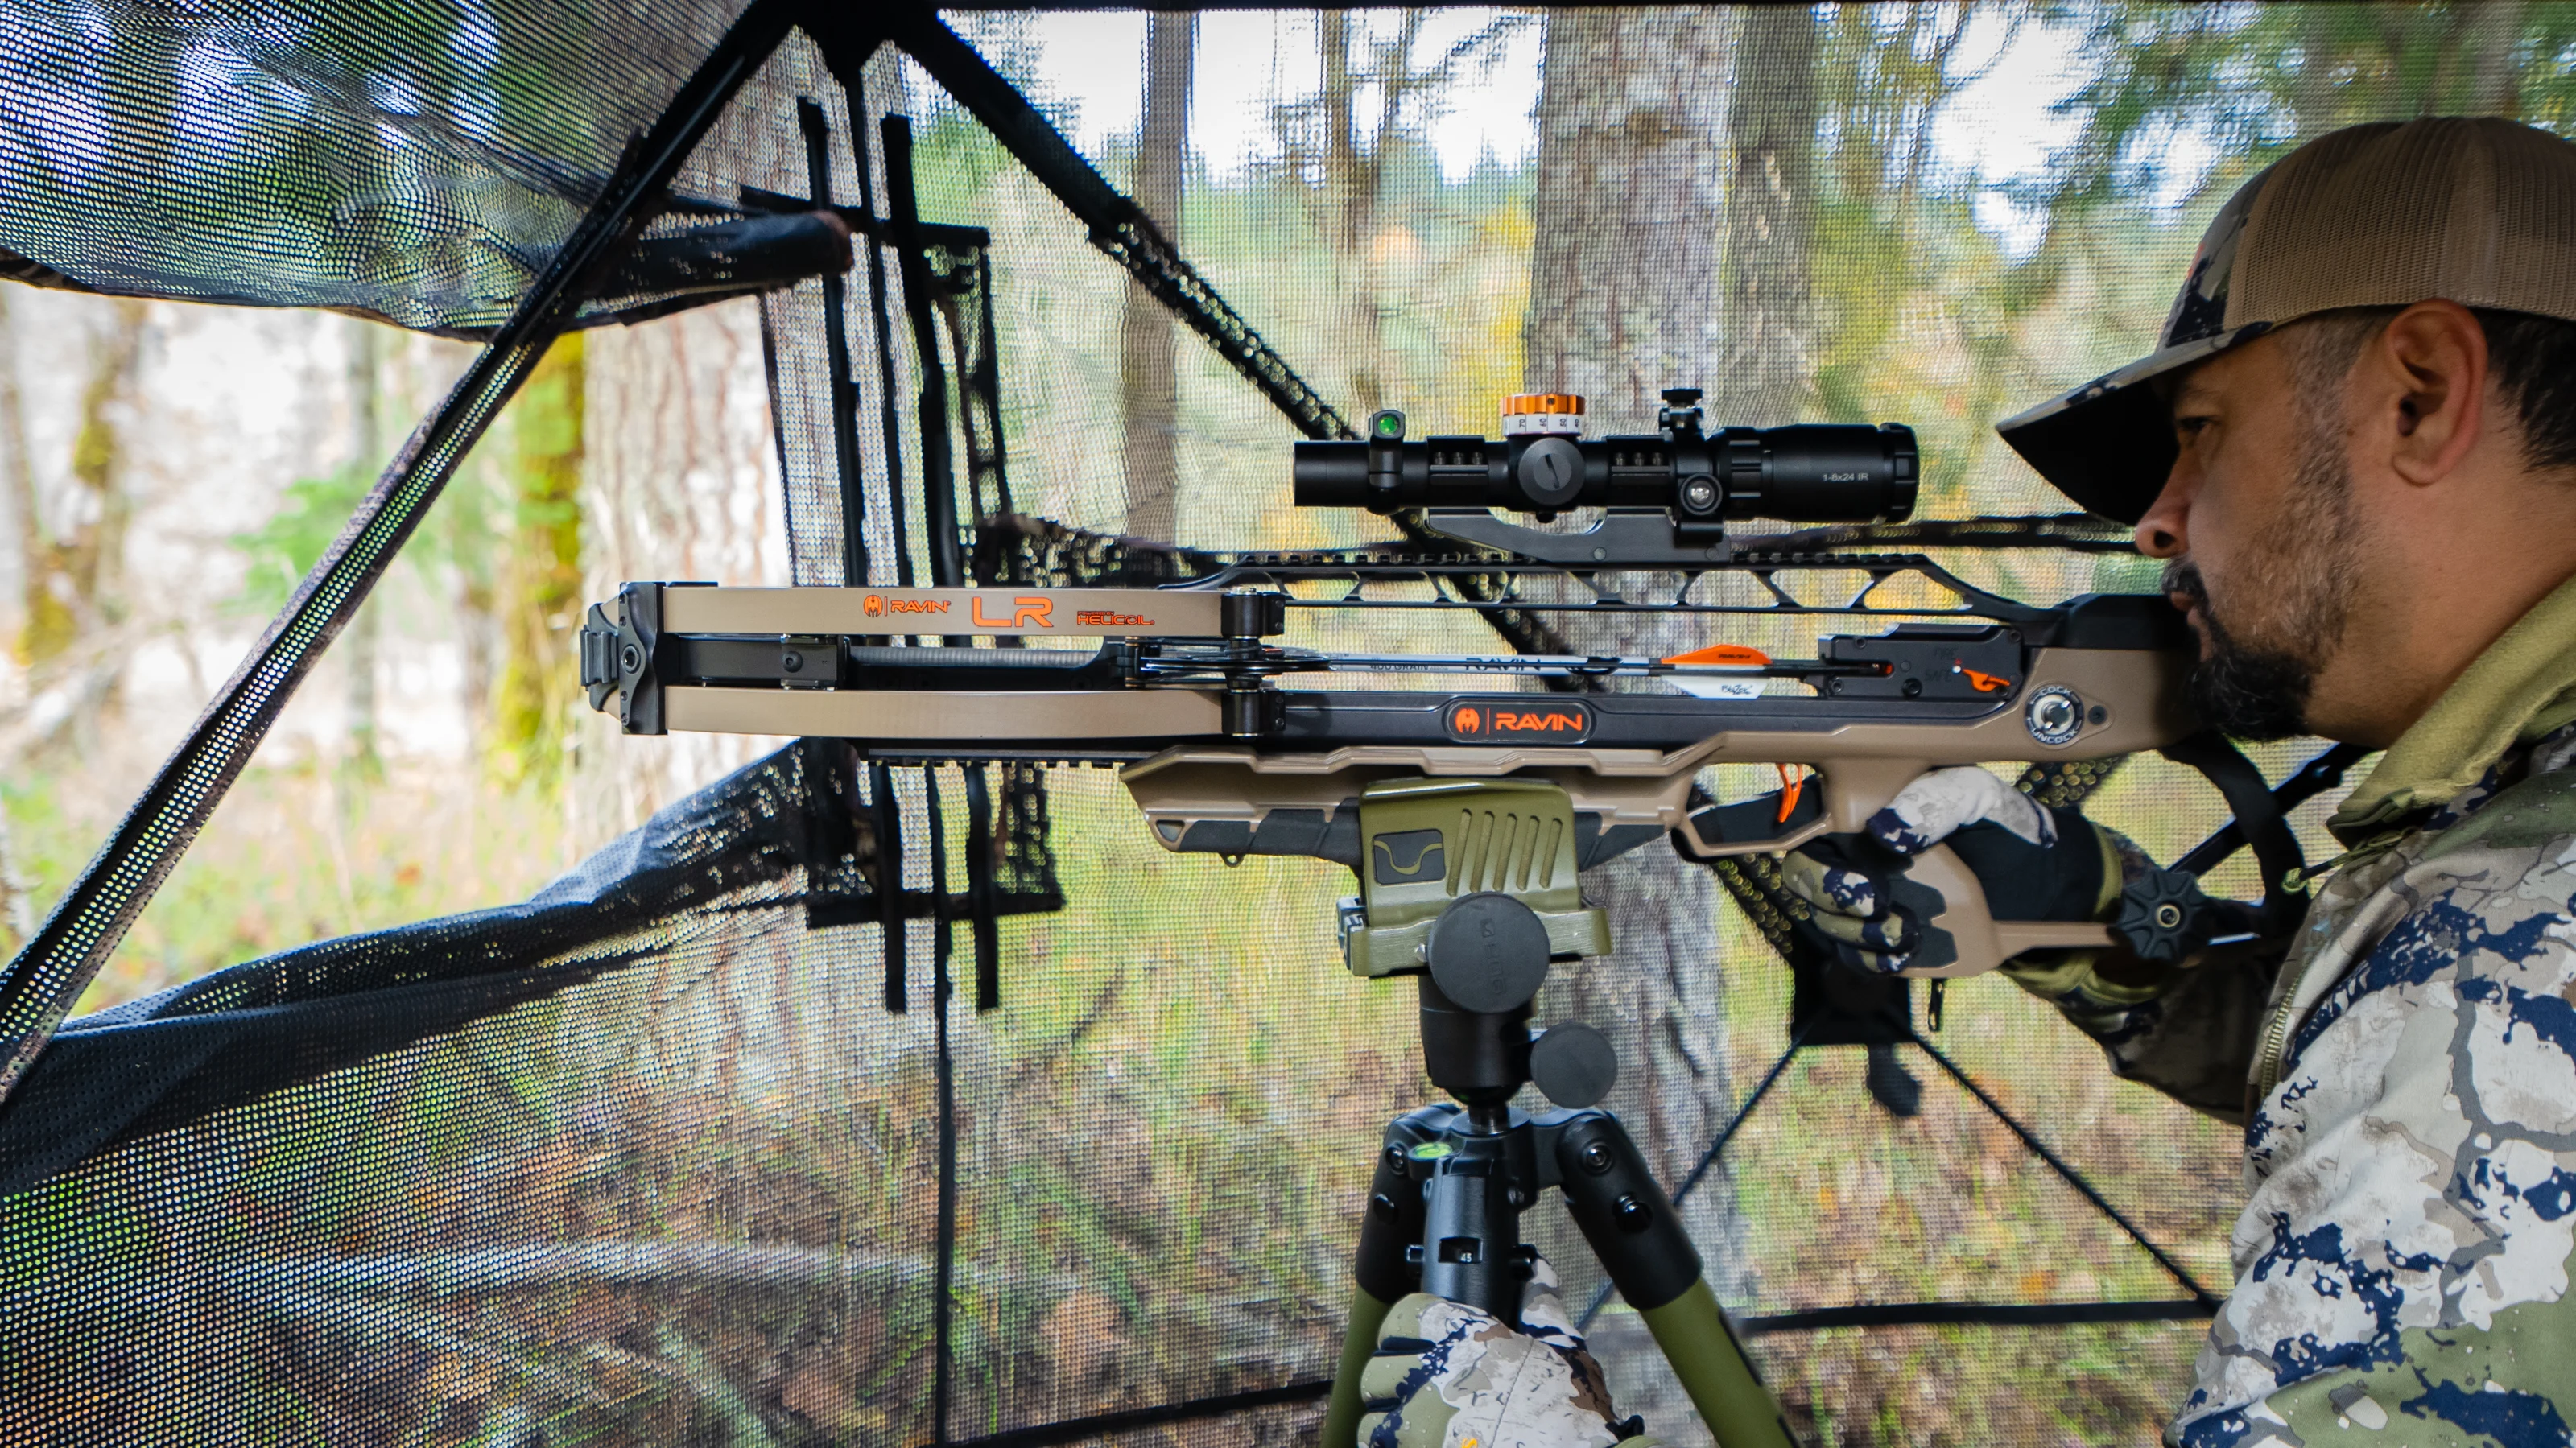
1543	414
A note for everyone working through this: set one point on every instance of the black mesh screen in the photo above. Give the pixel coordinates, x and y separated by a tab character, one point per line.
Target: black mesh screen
888	1103
419	164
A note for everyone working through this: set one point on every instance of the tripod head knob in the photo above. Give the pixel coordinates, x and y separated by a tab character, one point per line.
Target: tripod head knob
1573	1064
1488	953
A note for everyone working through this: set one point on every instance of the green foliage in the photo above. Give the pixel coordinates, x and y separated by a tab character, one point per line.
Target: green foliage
280	551
2254	81
540	578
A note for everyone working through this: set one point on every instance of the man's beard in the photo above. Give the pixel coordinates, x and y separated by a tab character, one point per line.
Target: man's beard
2257	689
2248	692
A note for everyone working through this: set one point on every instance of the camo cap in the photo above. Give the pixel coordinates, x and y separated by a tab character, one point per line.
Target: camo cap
2477	211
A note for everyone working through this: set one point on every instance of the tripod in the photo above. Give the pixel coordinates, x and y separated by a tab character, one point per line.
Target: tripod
1451	1182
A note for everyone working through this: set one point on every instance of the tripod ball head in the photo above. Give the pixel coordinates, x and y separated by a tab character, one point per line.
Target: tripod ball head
1487	957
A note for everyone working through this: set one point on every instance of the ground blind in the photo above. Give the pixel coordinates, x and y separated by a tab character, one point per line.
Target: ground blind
847	1103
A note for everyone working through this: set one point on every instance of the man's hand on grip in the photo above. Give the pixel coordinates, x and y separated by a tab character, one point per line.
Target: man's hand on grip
1448	1375
2033	863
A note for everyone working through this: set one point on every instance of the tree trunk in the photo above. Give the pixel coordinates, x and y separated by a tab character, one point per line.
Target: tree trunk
1349	196
358	646
75	574
1149	389
2490	33
680	480
541	581
18	477
1768	375
1627	210
1623	302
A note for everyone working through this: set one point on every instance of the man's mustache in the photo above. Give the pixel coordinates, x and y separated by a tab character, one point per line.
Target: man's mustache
2182	580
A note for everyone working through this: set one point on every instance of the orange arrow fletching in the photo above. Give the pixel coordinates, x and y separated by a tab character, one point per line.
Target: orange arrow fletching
1735	656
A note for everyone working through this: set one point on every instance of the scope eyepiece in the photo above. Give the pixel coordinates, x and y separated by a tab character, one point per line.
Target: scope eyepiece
1804	473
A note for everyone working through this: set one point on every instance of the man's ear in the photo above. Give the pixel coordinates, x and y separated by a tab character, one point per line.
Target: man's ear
2425	378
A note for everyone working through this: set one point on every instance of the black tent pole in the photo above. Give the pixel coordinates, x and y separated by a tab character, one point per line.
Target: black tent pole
853	80
844	388
938	480
943	1309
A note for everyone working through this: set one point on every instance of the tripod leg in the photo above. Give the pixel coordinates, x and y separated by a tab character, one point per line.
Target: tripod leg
1705	1356
1638	1236
1359	1344
1391	1224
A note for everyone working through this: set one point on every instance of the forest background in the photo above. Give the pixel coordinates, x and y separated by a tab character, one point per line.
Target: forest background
1872	231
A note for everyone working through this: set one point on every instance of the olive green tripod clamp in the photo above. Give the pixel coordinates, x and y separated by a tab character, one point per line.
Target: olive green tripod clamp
1471	885
1426	843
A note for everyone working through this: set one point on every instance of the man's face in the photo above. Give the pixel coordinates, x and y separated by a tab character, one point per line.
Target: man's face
2257	524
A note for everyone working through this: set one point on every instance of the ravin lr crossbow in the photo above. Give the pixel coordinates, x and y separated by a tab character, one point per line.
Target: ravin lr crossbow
1468	816
1191	689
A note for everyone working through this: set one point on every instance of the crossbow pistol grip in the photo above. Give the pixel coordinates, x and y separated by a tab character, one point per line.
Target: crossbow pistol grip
2076	704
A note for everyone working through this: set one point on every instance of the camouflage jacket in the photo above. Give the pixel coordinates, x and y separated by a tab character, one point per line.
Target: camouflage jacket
2409	1092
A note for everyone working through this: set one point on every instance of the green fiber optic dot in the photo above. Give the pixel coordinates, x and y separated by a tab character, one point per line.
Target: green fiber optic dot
1433	1151
1390	424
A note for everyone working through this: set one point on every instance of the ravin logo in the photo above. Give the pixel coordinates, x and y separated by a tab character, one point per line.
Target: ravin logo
1509	721
877	605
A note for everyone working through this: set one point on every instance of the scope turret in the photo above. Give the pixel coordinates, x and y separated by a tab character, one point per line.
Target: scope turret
1804	473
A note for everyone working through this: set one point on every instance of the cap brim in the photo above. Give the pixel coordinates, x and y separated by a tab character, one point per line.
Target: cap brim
2109	443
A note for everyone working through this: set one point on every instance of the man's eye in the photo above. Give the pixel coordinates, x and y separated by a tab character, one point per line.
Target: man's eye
2191	427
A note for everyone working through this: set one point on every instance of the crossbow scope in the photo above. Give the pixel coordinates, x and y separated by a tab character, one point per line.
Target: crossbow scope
1851	473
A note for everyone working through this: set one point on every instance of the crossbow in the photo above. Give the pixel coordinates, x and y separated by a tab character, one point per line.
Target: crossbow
1192	690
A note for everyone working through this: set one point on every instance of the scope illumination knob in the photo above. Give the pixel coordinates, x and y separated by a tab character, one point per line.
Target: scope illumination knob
1551	472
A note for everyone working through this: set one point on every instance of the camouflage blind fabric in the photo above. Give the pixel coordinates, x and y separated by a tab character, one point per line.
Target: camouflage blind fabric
758	1128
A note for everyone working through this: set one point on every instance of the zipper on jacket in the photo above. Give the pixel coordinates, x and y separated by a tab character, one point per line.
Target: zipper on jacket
2275	1041
2276	1035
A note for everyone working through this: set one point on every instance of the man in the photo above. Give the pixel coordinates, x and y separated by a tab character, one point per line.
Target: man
2356	450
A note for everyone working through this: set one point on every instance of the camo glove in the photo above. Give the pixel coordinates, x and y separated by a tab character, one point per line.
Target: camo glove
1447	1375
2034	863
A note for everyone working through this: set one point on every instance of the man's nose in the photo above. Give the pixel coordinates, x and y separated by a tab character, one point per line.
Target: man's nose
2160	532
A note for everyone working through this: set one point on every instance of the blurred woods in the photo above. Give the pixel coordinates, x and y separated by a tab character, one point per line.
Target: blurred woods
170	474
167	473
